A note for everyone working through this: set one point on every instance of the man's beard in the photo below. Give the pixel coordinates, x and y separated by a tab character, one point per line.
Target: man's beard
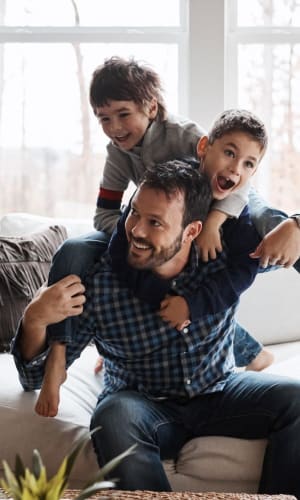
156	259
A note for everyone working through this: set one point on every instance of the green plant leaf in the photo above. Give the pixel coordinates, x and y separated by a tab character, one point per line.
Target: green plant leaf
76	450
104	471
87	492
9	475
37	463
19	469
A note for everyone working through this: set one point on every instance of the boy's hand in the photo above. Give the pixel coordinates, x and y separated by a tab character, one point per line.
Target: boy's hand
281	246
209	243
174	310
209	240
57	302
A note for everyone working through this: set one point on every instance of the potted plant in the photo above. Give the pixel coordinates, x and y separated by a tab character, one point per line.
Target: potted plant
25	484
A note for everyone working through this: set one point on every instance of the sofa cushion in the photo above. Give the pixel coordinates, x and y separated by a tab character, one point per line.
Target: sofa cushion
24	267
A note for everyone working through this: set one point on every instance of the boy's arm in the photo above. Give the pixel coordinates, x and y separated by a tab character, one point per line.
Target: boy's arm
281	246
209	241
115	180
223	288
281	236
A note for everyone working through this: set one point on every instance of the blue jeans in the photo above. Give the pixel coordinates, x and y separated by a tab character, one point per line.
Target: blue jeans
251	406
74	256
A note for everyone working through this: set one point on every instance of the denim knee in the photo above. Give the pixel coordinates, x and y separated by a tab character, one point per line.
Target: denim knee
76	255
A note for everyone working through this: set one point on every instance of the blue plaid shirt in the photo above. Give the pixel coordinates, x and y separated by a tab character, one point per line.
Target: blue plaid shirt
142	352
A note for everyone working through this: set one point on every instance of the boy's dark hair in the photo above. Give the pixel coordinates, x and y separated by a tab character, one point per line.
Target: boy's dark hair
126	80
173	176
239	120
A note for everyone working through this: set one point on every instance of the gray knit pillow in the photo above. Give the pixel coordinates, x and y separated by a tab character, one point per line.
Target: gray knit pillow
24	267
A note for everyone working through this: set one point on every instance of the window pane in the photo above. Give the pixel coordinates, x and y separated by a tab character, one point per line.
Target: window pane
52	148
90	12
268	84
269	13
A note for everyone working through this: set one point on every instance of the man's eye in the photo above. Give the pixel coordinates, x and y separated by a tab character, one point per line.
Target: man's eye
155	223
229	152
124	115
133	212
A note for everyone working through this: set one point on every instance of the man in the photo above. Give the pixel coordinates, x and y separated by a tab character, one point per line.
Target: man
164	386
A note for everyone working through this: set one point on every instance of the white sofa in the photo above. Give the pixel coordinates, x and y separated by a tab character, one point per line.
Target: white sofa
270	309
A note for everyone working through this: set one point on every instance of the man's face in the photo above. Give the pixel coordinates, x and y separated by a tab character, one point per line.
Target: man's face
124	122
230	162
154	229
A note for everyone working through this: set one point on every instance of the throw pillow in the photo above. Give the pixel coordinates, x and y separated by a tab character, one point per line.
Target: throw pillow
24	267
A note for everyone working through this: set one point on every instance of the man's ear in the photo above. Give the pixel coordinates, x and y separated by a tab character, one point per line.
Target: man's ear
192	230
153	108
202	146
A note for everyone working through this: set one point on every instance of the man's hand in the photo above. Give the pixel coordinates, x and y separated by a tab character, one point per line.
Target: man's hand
57	302
281	246
51	305
174	310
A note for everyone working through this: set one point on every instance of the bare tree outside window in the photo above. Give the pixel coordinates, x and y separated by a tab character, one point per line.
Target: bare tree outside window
268	65
52	149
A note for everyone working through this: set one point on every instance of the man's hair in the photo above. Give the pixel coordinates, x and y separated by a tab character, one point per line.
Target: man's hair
126	80
239	120
176	176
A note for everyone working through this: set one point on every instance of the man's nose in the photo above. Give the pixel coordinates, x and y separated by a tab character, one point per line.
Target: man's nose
139	230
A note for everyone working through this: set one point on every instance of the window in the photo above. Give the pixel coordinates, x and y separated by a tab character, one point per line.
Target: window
52	148
263	74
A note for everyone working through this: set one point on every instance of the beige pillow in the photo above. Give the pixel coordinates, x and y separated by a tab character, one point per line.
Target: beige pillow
24	267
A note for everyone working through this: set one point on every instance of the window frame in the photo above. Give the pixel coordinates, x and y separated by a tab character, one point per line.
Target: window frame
130	34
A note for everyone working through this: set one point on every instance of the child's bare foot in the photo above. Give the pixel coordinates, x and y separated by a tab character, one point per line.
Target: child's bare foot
264	359
99	365
55	375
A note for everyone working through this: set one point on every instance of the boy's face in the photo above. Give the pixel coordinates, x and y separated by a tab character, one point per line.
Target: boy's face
229	162
124	122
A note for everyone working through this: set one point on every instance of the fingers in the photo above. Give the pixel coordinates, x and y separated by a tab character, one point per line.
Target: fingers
69	280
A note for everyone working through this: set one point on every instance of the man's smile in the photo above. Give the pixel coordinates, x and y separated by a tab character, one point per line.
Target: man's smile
140	244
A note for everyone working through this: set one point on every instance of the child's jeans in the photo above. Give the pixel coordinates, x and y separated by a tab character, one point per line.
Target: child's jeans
74	256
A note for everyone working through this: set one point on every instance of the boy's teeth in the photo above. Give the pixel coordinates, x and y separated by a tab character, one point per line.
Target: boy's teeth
225	182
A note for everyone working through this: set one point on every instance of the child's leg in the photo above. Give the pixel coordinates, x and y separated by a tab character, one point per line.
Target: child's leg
74	256
265	218
54	377
249	352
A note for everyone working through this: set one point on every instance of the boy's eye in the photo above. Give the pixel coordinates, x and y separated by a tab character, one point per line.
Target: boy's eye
230	153
250	164
103	119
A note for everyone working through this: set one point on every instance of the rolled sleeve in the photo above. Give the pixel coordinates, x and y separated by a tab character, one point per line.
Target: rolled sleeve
30	372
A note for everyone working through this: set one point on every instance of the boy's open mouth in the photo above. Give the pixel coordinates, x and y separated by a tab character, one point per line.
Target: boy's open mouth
224	182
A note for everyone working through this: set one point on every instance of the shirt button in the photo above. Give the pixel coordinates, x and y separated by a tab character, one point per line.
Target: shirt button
174	283
188	381
185	330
